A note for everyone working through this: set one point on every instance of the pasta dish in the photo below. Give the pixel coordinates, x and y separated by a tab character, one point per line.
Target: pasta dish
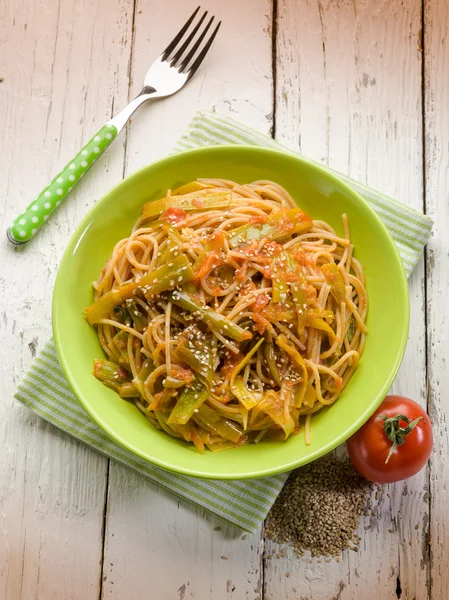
229	315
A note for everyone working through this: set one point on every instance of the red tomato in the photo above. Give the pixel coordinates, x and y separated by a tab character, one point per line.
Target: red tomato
388	448
174	215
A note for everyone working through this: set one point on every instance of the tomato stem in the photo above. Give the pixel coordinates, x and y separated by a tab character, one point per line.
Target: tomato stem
395	433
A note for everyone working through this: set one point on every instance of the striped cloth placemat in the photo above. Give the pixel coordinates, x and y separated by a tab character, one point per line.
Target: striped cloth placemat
45	390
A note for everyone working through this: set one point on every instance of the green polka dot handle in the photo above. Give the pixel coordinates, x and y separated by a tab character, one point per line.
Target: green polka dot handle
28	223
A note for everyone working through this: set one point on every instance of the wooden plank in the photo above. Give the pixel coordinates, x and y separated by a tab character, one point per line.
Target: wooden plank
349	95
436	68
155	546
73	59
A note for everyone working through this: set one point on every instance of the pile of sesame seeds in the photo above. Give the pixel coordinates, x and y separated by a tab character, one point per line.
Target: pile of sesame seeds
320	507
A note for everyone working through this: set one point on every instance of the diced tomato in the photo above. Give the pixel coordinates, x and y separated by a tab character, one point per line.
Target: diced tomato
311	293
261	323
230	363
174	215
182	374
210	262
121	372
261	302
260	219
273	248
299	256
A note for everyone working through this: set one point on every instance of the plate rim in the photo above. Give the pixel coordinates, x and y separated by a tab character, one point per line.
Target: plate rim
75	240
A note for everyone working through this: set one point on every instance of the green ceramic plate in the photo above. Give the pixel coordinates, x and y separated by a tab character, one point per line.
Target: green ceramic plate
319	194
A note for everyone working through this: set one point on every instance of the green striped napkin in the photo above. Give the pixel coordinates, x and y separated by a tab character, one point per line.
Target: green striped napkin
243	503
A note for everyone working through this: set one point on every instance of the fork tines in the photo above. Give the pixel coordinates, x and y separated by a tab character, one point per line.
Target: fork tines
187	57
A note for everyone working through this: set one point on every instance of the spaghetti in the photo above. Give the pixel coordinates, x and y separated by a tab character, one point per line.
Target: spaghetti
229	314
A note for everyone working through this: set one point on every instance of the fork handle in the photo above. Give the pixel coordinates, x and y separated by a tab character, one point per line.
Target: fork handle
27	224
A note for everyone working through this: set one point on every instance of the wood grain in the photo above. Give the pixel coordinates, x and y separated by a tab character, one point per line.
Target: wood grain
436	46
61	67
349	95
156	546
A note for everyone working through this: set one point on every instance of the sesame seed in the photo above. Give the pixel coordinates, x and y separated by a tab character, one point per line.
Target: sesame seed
320	507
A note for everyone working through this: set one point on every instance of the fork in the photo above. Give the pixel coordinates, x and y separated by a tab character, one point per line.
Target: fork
167	75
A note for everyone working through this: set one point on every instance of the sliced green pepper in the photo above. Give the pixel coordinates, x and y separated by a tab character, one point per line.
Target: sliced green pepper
196	351
213	320
176	272
188	188
298	360
278	225
172	382
271	360
188	202
241	391
320	323
173	245
272	406
120	341
110	373
335	280
189	401
138	318
208	419
210	253
128	390
243	362
220	446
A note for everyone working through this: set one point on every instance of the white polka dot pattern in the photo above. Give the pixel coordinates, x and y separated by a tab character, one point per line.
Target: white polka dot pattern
27	224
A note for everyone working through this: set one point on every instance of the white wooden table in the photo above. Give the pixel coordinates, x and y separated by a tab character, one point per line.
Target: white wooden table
362	85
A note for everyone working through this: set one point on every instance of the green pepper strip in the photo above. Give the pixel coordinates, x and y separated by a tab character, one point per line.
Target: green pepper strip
271	360
278	225
200	358
220	446
190	400
120	341
172	382
213	320
280	288
282	342
214	244
299	292
174	243
243	362
240	391
134	311
188	202
128	390
335	280
351	329
208	419
161	279
188	188
110	373
275	410
319	323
